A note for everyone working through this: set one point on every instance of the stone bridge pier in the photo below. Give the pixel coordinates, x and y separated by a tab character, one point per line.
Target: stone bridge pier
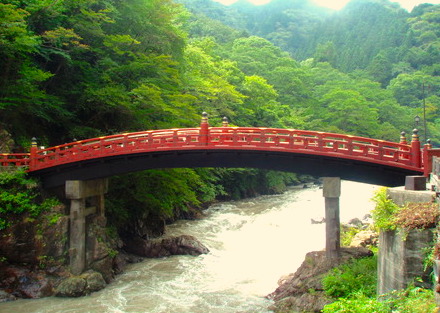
86	198
331	192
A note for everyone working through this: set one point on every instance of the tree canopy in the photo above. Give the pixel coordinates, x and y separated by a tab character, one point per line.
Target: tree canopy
80	69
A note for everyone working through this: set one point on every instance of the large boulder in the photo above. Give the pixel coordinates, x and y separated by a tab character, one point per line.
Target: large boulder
105	268
25	283
122	259
303	290
180	245
71	287
82	285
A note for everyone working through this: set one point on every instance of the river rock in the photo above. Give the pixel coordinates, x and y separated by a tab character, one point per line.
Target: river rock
71	287
94	281
317	220
105	268
365	238
36	287
82	285
4	296
24	283
355	222
122	259
180	245
303	291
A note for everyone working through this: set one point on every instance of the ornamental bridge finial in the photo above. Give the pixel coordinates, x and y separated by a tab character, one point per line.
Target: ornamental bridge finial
415	135
403	138
204	118
225	122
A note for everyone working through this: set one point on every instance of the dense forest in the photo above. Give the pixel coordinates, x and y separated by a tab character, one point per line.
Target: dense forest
81	69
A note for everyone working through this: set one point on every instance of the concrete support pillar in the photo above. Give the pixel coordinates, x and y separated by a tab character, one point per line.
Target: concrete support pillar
332	192
78	192
77	240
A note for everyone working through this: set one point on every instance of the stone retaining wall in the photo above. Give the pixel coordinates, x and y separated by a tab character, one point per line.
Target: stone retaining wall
401	257
401	253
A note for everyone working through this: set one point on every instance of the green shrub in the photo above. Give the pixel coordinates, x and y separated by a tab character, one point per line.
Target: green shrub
410	300
19	194
356	276
384	214
347	234
359	303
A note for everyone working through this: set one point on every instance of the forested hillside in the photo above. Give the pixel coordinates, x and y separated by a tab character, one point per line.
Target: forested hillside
80	69
372	40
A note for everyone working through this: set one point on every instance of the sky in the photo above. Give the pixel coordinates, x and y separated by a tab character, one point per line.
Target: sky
339	4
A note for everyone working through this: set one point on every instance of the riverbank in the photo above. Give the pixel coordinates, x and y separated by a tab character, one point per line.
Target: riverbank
302	291
33	262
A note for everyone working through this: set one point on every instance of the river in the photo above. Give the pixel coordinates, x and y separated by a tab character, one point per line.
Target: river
252	244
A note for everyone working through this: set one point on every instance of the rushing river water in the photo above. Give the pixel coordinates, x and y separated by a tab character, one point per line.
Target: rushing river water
252	244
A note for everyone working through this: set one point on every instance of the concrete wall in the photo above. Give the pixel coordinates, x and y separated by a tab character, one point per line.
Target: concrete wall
401	258
400	196
401	253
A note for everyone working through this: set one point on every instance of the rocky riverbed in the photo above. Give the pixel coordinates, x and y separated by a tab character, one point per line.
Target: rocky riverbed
33	256
302	291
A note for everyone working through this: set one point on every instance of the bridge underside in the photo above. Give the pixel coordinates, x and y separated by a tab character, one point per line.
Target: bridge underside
315	165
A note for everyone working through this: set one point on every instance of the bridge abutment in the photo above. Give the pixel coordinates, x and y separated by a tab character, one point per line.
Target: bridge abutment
402	252
86	197
332	192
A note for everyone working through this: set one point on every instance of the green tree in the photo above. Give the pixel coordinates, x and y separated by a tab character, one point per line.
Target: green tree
260	107
209	80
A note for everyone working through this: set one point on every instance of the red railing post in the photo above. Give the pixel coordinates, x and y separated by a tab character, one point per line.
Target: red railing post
349	146
33	154
223	136
175	138
402	142
320	143
204	129
416	159
427	159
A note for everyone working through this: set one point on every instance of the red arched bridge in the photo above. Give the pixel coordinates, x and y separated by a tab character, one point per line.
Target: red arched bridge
300	151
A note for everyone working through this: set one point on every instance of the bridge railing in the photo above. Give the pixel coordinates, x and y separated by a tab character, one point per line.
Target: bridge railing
431	159
14	159
154	140
310	141
225	137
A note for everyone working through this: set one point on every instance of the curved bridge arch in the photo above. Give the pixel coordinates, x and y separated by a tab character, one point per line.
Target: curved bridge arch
290	162
307	152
